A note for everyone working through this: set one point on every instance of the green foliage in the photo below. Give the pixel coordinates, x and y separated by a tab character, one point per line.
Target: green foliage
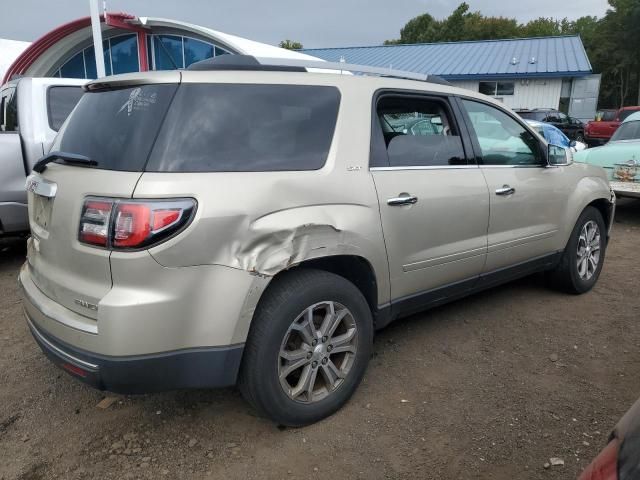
290	45
612	42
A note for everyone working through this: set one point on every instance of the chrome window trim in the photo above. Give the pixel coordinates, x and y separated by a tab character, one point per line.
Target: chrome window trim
514	166
422	167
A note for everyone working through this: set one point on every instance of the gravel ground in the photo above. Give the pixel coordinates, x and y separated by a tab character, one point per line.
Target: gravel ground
489	387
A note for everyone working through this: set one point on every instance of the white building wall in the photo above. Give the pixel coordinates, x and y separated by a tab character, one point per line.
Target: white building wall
528	93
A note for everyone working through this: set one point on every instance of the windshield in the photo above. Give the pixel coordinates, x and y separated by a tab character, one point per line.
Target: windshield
627	131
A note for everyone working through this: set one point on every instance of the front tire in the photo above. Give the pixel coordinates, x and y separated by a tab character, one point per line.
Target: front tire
582	260
308	347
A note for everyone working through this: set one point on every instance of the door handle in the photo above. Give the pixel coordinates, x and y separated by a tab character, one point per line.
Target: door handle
506	190
403	199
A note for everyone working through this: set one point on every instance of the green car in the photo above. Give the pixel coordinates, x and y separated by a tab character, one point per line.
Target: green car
620	158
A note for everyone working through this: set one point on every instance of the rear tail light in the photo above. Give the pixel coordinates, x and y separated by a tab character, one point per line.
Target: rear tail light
132	224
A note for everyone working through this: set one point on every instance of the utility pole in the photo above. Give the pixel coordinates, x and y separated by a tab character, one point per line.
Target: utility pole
97	37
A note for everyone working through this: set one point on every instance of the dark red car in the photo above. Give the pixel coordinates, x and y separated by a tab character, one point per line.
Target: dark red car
598	132
620	459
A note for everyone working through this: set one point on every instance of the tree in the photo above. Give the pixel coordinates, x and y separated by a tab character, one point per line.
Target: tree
290	45
611	42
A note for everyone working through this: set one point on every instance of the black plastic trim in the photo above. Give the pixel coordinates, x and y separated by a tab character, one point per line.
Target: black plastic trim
418	302
206	367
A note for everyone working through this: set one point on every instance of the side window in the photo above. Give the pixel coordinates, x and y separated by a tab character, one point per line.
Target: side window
502	140
60	102
9	121
419	132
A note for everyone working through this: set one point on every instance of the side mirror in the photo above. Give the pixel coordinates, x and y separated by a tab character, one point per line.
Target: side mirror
559	156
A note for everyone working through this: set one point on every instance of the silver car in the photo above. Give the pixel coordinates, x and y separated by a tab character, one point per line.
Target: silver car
254	224
31	112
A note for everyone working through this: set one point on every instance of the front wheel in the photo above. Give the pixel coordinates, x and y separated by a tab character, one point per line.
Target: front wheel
583	257
308	347
580	137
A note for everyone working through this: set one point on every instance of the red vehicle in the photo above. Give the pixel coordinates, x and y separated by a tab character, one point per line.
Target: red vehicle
619	459
598	132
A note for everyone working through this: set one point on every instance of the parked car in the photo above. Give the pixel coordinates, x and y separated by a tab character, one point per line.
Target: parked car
254	223
555	136
571	127
31	112
620	158
619	459
598	132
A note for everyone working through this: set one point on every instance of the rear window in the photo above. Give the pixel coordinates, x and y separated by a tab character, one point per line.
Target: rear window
606	115
246	127
532	115
625	113
60	102
116	128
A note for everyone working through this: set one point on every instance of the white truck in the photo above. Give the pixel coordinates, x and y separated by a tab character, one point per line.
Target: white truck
31	113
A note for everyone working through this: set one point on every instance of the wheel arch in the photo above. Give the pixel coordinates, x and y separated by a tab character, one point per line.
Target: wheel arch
354	268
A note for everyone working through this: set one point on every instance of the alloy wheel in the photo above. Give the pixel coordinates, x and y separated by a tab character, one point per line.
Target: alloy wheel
317	352
588	255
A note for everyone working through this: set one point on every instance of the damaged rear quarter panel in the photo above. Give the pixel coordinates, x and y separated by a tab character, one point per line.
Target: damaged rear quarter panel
272	225
266	222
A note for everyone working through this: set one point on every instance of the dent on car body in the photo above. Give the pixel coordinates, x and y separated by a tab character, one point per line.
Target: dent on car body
275	242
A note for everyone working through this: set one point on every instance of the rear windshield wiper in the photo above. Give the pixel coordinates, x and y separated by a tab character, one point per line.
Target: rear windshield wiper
71	158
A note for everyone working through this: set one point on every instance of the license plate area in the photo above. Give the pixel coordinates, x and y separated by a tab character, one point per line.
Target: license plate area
42	208
43	193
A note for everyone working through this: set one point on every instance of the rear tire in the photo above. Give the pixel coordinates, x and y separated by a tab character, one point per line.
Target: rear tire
583	257
318	321
580	137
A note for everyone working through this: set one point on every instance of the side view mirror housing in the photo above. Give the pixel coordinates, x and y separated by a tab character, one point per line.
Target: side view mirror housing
559	156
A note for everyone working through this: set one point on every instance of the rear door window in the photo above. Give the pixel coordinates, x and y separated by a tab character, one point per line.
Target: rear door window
246	127
116	128
60	101
419	132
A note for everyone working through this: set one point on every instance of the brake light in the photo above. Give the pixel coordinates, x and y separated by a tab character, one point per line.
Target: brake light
94	222
132	224
124	224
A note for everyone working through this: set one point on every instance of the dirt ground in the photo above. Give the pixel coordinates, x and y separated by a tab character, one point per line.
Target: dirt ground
489	387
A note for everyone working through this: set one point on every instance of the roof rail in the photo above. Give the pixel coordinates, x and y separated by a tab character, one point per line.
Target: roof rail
248	62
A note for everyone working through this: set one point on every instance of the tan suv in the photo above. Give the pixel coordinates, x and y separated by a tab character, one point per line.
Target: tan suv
253	223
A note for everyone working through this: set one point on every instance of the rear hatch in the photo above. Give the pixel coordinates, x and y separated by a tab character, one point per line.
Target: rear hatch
187	153
115	127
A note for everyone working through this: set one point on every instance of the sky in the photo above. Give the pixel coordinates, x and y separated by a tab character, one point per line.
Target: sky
323	23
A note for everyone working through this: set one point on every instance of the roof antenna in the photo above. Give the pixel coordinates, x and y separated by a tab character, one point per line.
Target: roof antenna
342	60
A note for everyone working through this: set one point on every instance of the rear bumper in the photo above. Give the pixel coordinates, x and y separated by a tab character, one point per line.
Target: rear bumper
196	368
66	341
626	189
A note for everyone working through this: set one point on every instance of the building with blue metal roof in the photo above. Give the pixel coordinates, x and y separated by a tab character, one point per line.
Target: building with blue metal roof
524	73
